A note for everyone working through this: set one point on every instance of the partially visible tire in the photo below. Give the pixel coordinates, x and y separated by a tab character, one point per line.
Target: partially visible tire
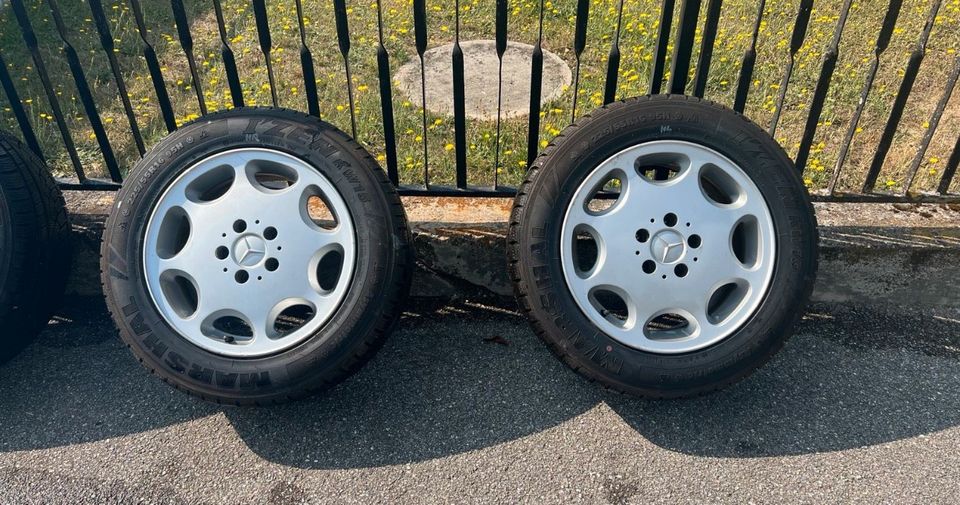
34	246
691	275
218	273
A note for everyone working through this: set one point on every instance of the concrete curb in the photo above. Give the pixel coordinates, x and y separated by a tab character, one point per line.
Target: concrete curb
908	255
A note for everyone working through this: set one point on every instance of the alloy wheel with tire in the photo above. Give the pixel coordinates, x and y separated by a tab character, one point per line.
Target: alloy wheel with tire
35	248
256	256
663	246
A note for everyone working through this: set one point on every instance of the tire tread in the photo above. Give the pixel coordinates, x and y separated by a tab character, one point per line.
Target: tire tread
40	261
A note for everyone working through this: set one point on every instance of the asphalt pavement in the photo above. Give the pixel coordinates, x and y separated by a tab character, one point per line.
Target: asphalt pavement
465	405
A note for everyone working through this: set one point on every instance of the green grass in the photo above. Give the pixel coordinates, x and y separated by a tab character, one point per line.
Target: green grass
637	41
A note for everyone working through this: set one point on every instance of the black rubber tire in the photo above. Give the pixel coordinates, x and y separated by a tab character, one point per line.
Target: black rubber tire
534	246
352	334
35	248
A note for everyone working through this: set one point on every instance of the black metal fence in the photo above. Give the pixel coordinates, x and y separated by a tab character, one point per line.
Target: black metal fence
686	33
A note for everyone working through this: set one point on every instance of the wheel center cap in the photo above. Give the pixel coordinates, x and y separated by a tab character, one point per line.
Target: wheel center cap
249	250
667	247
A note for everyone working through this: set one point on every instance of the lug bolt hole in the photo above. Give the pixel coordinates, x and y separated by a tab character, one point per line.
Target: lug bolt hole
680	270
694	241
643	235
270	233
241	276
670	219
649	266
239	226
272	264
222	253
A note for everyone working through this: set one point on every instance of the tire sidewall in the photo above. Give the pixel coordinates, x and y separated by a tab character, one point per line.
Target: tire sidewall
560	173
36	250
327	150
7	245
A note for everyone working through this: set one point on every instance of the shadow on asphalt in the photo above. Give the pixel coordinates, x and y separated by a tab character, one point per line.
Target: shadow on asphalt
851	378
437	388
78	383
440	387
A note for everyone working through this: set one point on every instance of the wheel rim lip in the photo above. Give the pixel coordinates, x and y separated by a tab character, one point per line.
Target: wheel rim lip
745	309
149	267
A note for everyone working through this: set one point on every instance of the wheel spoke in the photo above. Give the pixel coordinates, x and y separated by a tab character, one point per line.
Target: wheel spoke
252	308
645	309
323	303
601	275
202	215
295	270
257	313
684	188
243	187
602	225
182	262
211	302
694	308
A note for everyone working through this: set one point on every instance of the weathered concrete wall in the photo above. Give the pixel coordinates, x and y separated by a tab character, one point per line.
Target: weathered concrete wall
917	267
904	255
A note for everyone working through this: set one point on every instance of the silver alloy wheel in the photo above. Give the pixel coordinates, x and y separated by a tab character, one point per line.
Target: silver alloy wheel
679	258
249	252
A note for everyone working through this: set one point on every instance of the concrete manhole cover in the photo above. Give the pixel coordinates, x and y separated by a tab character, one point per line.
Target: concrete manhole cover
480	78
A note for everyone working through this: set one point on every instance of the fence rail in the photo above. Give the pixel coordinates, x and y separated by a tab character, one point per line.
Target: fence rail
684	36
